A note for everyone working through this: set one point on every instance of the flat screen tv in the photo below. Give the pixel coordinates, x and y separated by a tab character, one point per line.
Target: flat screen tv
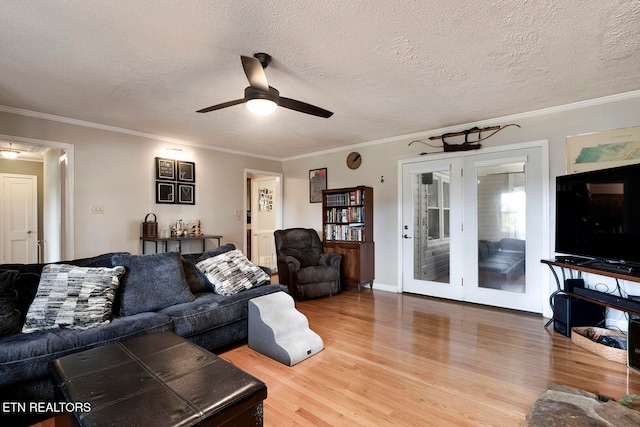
598	215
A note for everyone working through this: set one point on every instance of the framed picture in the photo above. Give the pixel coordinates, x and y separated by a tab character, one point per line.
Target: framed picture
265	199
186	194
317	183
165	169
601	150
186	171
165	192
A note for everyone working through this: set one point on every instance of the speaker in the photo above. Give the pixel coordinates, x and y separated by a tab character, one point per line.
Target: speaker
633	344
570	311
571	284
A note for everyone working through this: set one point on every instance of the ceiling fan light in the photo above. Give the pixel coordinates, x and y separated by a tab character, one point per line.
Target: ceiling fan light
261	107
10	153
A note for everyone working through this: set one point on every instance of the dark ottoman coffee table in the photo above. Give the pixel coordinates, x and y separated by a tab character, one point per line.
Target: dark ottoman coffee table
157	380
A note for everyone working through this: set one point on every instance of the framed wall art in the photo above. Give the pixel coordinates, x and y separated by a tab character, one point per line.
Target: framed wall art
186	171
165	192
186	194
265	199
317	183
165	169
175	181
601	150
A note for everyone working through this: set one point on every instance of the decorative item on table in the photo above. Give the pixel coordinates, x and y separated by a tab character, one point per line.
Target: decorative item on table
178	229
196	229
150	228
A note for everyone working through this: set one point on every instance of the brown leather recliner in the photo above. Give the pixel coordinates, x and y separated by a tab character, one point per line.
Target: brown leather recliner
303	267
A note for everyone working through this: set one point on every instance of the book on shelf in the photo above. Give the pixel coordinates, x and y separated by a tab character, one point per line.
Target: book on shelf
349	232
350	214
350	198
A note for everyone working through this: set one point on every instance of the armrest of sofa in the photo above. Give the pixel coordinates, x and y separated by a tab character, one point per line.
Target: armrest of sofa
330	259
287	267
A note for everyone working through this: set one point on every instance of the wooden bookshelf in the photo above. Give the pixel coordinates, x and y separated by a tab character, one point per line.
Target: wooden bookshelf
347	229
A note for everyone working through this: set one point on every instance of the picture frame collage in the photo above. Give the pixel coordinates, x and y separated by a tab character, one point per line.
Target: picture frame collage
175	181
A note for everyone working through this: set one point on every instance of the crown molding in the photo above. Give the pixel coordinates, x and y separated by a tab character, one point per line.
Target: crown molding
76	122
483	123
418	135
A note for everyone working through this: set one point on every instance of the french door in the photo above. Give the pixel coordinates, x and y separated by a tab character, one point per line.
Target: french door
473	227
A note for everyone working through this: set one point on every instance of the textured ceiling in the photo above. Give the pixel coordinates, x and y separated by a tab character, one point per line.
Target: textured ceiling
385	68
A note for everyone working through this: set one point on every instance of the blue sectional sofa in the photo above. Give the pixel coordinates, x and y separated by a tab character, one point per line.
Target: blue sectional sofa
500	262
158	292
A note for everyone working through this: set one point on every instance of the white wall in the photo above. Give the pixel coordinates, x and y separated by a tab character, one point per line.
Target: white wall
116	171
380	158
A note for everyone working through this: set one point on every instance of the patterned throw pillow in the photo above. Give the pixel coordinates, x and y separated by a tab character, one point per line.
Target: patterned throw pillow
73	297
232	272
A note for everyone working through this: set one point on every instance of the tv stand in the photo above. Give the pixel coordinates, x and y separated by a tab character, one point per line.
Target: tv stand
620	271
615	268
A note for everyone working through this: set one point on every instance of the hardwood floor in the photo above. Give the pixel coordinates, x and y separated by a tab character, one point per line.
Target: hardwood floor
399	359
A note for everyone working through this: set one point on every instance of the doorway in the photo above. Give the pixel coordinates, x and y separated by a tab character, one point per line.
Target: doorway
264	216
475	225
19	219
57	234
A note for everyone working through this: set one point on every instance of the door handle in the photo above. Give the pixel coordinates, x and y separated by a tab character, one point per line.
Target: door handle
406	236
29	232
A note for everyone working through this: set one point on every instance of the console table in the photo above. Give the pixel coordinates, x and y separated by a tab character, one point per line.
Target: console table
601	298
164	240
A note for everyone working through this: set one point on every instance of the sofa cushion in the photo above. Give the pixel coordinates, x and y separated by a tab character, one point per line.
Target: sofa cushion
9	314
152	282
73	297
210	310
25	357
231	272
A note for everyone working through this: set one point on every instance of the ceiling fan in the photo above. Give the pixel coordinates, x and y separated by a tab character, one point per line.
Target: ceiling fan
260	97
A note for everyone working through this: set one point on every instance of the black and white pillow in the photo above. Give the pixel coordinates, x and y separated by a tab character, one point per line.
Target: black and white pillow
231	272
73	297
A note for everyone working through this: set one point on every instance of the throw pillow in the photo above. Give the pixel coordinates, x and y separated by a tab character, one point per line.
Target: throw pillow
73	297
232	272
217	251
197	281
9	314
152	282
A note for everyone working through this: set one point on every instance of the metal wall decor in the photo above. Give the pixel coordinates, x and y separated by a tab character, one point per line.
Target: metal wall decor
467	144
175	181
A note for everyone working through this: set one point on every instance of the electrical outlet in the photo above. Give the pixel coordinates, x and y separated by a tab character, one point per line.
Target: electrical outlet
97	209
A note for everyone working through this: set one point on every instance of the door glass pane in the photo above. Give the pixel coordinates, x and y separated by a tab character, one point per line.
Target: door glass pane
431	226
501	227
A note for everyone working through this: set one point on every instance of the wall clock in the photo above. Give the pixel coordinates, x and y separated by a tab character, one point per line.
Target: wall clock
354	160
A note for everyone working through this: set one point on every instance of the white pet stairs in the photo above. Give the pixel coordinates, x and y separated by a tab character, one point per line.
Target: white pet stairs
279	331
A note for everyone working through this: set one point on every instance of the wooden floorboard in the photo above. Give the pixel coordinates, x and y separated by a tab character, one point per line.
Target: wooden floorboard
400	359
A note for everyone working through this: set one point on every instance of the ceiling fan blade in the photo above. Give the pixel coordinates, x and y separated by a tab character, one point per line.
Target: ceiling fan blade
303	107
223	105
255	73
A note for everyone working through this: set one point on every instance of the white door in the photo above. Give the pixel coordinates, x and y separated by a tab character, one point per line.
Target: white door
431	233
264	208
473	228
18	218
503	229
